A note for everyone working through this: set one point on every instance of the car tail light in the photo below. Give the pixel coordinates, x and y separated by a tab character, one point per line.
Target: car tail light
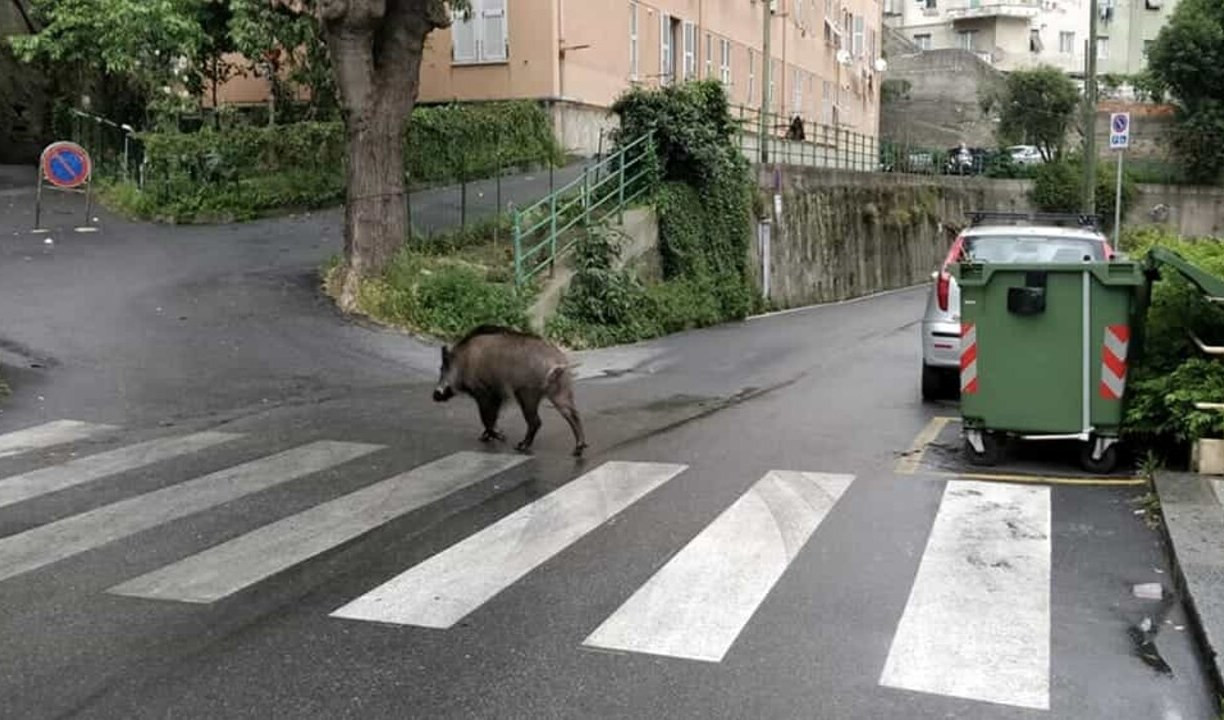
942	288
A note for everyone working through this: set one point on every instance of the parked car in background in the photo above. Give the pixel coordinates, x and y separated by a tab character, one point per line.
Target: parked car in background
996	238
1025	155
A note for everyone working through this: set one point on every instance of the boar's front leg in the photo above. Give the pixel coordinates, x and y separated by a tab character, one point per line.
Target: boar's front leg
529	403
490	407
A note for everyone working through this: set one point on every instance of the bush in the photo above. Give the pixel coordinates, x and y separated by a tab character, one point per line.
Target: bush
1170	374
239	172
705	224
1056	188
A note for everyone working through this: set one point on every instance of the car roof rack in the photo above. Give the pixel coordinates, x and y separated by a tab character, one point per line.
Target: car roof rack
992	217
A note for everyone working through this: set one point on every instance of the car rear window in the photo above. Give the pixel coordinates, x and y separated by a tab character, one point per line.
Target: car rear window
1031	249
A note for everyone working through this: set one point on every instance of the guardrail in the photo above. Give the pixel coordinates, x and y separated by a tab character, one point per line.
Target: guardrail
542	231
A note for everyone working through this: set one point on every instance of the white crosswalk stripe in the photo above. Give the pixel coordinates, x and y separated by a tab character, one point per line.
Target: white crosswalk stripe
698	603
977	624
55	541
57	432
448	586
17	488
243	561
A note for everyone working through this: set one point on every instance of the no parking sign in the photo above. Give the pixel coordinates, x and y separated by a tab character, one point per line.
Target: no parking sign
66	166
1119	131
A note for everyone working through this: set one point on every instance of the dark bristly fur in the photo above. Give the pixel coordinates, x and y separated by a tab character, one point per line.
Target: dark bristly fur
492	363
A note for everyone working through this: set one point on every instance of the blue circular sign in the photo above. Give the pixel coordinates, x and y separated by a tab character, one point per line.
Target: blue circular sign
66	164
1119	123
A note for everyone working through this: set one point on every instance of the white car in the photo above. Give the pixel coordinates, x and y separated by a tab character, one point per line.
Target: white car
995	238
1025	155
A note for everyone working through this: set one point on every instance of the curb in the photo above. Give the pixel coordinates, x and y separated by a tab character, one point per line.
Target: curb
1194	526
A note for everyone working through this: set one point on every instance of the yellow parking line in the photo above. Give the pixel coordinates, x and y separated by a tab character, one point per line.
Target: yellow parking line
910	461
1044	479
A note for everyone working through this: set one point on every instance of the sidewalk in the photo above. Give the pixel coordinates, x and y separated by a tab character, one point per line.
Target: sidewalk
1194	514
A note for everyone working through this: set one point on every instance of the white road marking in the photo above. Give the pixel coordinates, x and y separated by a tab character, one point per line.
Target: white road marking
48	434
16	488
442	590
977	624
697	604
227	568
55	541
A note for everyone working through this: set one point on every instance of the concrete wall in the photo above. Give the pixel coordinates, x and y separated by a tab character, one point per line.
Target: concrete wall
846	234
941	107
843	234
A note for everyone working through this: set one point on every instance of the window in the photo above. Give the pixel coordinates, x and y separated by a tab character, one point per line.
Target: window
798	12
857	47
751	76
927	4
1035	43
1147	47
826	103
667	58
633	41
482	37
724	61
923	41
1066	43
709	56
967	39
1102	47
690	51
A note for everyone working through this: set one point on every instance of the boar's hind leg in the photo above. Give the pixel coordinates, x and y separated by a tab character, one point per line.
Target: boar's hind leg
529	403
563	399
490	408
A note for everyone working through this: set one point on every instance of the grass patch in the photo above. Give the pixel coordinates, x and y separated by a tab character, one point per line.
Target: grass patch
444	285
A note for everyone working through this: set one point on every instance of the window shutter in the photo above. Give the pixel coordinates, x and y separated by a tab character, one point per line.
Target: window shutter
493	27
463	38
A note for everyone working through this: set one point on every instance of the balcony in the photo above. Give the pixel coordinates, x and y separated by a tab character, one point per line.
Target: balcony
975	9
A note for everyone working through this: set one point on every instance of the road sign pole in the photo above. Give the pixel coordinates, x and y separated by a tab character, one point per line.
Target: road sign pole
38	201
1118	202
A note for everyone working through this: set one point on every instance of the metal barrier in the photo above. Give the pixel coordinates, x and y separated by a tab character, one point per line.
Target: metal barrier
606	187
115	150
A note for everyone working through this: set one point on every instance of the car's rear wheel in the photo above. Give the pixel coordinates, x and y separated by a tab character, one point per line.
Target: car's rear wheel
932	383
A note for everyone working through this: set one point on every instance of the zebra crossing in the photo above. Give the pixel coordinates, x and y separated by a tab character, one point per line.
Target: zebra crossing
976	624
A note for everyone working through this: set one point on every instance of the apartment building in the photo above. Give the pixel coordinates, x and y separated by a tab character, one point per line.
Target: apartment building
1017	34
1126	30
580	55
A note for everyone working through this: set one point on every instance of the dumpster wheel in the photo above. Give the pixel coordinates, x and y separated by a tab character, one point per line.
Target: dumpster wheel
1102	461
983	448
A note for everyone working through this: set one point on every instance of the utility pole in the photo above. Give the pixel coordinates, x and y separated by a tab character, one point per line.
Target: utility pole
767	80
1090	102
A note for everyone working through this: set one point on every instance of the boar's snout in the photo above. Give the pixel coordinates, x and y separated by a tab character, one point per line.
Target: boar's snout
443	393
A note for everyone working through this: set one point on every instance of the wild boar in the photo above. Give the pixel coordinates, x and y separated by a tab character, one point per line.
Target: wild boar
493	363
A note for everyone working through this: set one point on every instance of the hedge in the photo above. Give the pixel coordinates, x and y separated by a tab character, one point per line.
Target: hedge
239	172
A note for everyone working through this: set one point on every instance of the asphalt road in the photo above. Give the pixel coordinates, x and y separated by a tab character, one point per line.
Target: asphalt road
230	531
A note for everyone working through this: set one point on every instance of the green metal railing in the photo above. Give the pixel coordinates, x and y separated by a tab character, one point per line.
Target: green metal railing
542	231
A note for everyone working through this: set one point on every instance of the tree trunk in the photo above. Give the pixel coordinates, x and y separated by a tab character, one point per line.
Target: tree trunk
376	48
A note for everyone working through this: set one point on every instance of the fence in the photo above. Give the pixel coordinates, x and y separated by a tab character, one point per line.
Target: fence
542	231
115	150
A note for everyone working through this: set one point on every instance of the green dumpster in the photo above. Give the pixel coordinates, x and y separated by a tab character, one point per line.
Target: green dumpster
1044	354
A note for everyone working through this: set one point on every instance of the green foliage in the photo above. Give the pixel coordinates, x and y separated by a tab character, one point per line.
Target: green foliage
1187	58
239	172
441	296
1036	107
1171	374
274	37
705	224
895	89
1056	188
156	44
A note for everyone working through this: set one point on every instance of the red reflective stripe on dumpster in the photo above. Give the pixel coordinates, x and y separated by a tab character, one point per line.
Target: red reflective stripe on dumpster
968	362
1113	361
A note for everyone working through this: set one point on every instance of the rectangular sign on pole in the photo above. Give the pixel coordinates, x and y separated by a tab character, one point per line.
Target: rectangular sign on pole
1119	131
